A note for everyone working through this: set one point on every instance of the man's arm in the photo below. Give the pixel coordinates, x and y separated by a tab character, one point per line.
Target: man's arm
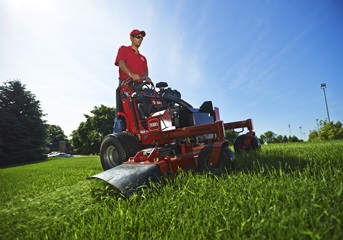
124	67
146	76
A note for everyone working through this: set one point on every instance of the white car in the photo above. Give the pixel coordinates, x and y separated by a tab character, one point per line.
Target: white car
58	154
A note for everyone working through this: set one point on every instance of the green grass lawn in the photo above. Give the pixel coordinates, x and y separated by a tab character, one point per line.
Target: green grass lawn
285	191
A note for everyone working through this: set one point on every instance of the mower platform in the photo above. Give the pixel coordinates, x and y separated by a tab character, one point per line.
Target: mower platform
128	177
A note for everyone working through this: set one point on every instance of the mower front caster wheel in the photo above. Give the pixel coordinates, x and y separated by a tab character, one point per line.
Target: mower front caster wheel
226	161
238	144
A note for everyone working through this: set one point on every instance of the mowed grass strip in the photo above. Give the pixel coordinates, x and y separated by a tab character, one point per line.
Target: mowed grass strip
284	191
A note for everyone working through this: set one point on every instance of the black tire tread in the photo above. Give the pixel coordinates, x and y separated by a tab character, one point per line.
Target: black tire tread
226	161
239	141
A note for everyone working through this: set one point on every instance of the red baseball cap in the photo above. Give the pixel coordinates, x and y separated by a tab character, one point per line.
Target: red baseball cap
136	31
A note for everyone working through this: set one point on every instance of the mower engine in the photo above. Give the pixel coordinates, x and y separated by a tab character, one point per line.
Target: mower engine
182	114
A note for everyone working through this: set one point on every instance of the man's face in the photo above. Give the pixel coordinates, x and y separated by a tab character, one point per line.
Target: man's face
137	39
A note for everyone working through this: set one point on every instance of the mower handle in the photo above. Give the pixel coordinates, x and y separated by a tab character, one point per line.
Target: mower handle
138	85
142	82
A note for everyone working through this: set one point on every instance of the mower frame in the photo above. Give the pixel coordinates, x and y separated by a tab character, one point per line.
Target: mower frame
158	133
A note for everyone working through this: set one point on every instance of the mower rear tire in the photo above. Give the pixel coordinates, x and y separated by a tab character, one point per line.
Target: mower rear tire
130	142
226	161
238	145
116	148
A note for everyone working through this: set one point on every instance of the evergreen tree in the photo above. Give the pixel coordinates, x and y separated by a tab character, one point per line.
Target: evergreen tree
22	130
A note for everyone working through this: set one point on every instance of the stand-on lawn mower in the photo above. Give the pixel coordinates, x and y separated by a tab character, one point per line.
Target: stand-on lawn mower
157	133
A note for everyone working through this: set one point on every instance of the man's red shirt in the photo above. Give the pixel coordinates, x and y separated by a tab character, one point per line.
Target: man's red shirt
135	61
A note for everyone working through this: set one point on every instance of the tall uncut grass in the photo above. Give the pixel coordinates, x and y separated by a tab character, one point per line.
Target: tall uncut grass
285	191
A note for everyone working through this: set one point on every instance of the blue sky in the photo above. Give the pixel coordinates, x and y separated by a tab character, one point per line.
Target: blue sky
256	59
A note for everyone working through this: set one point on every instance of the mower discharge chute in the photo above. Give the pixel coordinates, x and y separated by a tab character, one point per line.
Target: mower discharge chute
157	133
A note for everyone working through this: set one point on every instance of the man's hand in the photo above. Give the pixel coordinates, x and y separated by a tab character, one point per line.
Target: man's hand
134	76
147	79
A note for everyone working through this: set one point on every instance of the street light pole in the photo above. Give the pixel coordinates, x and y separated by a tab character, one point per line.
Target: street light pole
301	133
290	133
323	86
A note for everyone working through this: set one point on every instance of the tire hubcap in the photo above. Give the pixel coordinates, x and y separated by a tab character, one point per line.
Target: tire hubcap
111	156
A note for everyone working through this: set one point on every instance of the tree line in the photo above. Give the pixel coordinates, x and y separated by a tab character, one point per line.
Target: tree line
24	135
325	131
271	137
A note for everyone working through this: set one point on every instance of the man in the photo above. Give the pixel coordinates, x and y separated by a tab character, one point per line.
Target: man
133	65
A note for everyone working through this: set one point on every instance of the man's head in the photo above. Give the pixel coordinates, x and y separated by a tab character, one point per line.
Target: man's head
137	32
136	37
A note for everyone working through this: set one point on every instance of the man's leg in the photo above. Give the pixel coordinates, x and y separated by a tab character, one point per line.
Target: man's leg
119	122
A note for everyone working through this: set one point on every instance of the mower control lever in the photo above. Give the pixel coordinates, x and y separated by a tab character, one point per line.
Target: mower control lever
144	83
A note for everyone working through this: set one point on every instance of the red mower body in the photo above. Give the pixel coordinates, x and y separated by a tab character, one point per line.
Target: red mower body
164	133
